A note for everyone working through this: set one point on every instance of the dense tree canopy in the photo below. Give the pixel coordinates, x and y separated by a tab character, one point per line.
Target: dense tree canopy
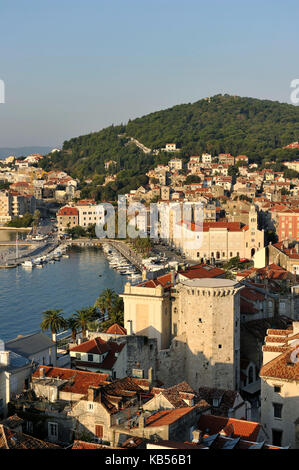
222	124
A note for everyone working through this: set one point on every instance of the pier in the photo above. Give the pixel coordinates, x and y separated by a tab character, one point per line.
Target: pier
129	254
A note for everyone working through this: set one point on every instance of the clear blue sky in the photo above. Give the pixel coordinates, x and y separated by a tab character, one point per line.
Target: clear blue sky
75	66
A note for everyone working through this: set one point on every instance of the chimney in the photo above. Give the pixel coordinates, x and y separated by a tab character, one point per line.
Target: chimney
196	434
41	372
93	392
130	327
144	278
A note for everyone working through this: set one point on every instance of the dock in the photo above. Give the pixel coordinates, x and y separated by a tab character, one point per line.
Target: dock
125	251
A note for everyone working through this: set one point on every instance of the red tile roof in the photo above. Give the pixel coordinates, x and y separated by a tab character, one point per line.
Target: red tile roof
206	226
68	211
116	329
229	427
93	346
198	271
247	307
166	417
283	366
99	346
78	381
16	440
90	445
251	294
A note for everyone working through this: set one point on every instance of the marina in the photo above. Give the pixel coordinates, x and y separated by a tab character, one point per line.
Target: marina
69	284
121	264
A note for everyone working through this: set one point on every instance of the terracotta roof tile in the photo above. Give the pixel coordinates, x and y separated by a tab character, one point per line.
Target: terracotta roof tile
10	439
282	367
229	426
116	329
166	417
77	381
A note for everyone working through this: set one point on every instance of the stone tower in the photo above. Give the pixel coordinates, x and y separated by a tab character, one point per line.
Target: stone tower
206	331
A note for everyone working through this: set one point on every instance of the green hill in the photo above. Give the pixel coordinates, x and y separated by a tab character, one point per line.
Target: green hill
221	124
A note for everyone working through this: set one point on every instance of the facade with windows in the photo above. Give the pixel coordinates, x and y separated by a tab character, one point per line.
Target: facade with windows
280	387
220	240
90	213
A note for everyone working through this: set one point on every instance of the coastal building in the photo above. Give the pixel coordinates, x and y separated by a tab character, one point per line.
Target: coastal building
89	213
67	217
37	347
15	372
280	387
13	204
97	355
220	240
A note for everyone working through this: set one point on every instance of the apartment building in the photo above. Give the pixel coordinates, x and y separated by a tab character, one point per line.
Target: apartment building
12	204
280	387
89	213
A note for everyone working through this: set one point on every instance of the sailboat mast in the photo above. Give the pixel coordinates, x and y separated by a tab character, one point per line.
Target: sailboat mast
17	247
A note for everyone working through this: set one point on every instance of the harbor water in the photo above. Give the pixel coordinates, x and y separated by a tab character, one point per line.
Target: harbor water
70	284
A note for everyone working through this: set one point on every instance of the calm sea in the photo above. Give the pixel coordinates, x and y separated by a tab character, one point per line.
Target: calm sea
69	284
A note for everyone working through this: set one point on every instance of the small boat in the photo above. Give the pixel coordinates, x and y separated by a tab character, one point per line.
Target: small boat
65	256
28	264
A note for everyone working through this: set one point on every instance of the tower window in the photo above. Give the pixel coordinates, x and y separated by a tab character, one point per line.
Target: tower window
219	346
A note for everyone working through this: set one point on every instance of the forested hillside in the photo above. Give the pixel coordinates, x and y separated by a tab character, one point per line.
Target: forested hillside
221	124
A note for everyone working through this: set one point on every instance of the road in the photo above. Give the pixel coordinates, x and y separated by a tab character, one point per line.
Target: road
171	254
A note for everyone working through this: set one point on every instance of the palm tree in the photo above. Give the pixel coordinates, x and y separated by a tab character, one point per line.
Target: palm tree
106	301
54	321
83	317
73	326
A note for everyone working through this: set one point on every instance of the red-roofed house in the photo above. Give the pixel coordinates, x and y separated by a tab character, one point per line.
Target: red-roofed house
280	387
98	355
67	217
76	403
219	240
231	427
